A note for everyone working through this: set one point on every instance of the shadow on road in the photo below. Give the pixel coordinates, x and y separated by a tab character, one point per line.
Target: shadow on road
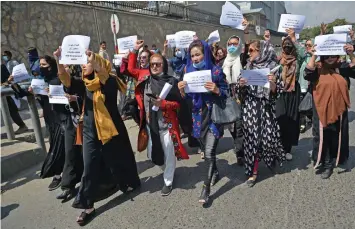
351	116
21	179
5	211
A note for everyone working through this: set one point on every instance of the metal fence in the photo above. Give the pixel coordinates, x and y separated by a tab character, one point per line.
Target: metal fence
158	8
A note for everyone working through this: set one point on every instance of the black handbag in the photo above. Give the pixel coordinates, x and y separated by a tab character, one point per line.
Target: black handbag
305	106
226	111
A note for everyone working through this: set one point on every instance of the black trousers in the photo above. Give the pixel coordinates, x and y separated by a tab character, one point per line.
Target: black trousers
209	144
237	134
330	146
73	165
14	112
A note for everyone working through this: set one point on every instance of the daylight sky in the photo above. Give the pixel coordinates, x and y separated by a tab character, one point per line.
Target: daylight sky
317	12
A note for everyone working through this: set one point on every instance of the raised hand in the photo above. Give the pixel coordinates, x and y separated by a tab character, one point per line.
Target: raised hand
267	35
323	28
245	23
165	44
139	44
291	33
349	49
57	53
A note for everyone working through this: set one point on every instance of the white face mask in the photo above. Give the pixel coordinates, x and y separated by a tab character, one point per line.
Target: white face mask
178	54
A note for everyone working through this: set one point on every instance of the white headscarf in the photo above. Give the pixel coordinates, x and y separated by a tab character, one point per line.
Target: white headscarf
232	65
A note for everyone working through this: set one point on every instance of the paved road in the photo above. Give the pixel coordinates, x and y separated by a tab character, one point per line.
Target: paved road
293	198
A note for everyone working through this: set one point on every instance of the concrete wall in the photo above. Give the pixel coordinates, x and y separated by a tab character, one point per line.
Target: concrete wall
44	24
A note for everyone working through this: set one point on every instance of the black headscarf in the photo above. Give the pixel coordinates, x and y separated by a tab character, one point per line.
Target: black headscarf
157	83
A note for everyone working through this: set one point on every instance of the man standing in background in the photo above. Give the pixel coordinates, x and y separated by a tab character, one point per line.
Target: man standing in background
103	53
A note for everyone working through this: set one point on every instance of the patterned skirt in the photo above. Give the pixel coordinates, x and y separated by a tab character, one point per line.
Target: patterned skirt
262	139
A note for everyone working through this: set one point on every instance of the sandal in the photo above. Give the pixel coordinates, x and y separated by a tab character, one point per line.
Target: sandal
252	180
85	218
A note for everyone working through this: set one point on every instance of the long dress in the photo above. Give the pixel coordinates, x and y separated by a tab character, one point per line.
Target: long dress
107	167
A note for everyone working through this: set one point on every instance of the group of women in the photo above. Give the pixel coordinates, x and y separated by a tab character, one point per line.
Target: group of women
98	153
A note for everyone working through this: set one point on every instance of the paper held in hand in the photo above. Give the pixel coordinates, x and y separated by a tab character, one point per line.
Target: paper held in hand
163	94
231	16
342	28
331	44
39	87
73	49
57	95
196	81
291	21
171	40
19	72
256	77
214	37
126	44
183	39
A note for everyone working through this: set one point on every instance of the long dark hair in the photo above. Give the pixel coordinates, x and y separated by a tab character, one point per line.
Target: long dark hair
51	62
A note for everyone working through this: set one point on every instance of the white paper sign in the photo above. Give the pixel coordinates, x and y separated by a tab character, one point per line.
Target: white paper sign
214	37
118	59
257	77
73	49
19	72
163	94
231	16
57	95
125	44
331	44
297	36
183	39
171	40
39	87
342	28
196	81
291	21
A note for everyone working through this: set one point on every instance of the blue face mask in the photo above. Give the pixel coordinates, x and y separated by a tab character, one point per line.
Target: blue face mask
232	48
5	58
199	65
178	54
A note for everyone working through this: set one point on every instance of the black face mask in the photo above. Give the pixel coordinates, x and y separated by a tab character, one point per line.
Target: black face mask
45	71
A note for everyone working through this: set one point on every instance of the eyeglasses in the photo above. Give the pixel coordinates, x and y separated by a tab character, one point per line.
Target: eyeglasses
156	64
327	57
235	44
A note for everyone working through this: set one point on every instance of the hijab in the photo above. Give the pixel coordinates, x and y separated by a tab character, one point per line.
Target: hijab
289	63
331	94
232	65
178	63
266	59
207	57
33	60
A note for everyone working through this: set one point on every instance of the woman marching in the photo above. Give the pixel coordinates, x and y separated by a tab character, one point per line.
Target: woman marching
262	140
158	118
200	58
109	162
331	102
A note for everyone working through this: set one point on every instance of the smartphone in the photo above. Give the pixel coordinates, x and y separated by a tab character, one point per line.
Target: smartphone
150	95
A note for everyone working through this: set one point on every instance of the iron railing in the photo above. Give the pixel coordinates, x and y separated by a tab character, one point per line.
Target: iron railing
158	8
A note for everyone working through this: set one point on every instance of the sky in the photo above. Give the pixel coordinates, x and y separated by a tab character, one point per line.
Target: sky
318	12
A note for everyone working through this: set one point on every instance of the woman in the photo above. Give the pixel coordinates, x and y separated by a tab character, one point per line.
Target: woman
199	58
178	62
162	125
331	102
304	84
232	64
109	162
220	55
143	69
53	115
287	106
262	139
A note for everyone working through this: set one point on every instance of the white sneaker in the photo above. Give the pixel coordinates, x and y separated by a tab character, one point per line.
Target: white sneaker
288	156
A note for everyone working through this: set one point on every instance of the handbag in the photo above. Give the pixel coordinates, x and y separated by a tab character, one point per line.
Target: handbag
142	141
226	111
306	104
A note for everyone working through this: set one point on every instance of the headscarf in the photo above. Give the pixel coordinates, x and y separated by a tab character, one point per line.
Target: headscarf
105	127
220	62
207	57
331	94
178	63
266	59
233	61
289	63
33	60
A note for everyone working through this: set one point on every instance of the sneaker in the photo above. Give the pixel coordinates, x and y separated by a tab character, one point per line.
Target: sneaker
288	156
21	130
56	183
166	190
302	129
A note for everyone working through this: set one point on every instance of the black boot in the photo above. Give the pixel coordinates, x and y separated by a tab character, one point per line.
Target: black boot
215	178
326	174
205	194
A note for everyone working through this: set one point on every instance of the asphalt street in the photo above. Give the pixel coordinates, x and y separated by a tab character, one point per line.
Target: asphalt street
294	197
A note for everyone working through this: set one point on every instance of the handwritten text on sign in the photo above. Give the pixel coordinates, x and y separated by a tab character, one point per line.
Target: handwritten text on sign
20	73
39	87
57	95
290	21
331	44
125	44
171	40
183	39
196	81
73	49
257	77
231	16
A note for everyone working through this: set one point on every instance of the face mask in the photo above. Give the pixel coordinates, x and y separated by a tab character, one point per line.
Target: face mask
199	65
178	54
232	48
44	71
5	58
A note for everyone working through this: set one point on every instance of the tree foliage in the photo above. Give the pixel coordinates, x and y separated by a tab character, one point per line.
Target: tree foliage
315	31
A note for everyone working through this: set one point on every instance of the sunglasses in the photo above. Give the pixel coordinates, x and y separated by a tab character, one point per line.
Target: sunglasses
308	45
252	50
156	64
327	57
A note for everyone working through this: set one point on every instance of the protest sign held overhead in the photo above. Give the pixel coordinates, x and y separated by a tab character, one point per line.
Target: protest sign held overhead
291	21
125	44
171	40
214	37
73	49
331	44
183	39
342	28
231	16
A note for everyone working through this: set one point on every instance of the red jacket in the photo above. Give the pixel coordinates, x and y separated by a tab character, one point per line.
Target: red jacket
169	108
